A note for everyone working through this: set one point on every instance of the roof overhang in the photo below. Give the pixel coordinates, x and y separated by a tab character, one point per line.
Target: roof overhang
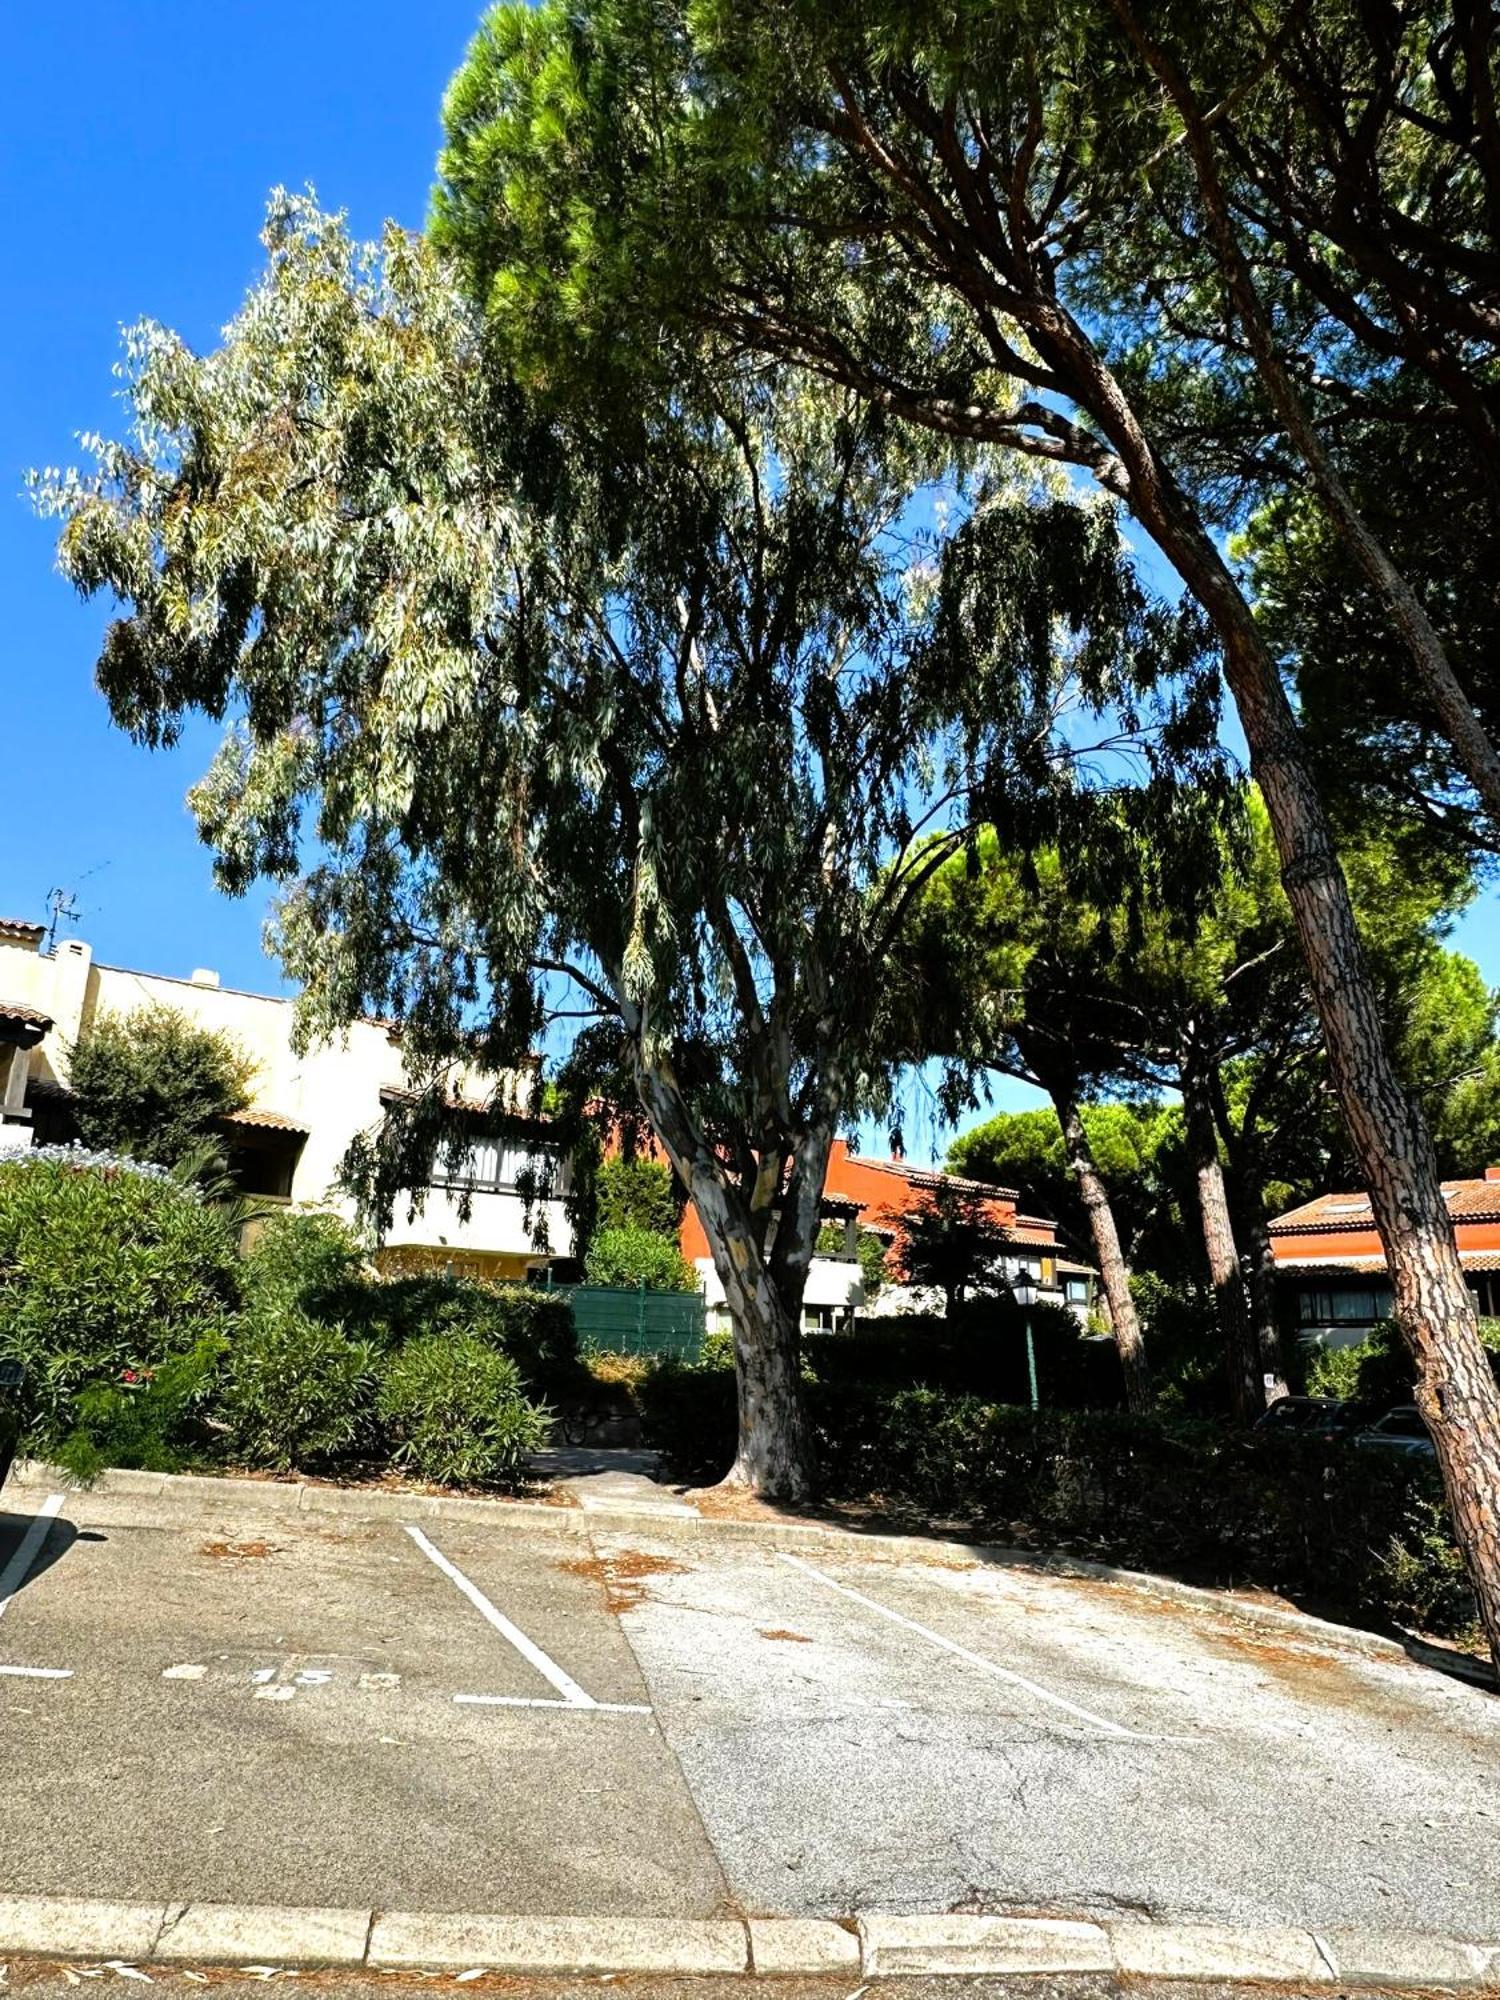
253	1119
22	1027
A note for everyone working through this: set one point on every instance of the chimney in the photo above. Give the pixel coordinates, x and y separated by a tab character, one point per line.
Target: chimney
1492	1173
898	1143
203	975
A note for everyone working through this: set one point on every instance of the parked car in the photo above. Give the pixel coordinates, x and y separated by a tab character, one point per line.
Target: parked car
1400	1430
1311	1417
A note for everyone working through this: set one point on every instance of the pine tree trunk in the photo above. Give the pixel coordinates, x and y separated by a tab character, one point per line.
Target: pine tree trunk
1114	1273
1464	729
1456	1390
1240	1346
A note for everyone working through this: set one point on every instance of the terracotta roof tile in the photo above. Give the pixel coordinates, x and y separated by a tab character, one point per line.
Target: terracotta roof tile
32	1016
270	1121
18	927
1468	1201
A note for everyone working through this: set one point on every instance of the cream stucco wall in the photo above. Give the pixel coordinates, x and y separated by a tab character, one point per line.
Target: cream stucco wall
831	1282
332	1091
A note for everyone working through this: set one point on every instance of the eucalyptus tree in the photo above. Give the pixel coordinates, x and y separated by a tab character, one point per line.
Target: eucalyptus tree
645	759
913	201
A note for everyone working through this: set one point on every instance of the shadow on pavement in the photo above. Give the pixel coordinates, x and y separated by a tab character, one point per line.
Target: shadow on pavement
52	1546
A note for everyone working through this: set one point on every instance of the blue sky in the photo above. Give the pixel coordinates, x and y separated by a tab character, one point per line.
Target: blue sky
136	150
137	147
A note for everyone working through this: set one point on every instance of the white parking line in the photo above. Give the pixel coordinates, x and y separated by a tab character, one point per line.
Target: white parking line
533	1701
572	1694
39	1673
14	1573
963	1653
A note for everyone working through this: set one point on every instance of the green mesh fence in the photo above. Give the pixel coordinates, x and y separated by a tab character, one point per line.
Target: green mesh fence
623	1321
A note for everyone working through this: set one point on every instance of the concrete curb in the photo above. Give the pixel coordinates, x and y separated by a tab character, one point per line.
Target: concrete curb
301	1497
874	1947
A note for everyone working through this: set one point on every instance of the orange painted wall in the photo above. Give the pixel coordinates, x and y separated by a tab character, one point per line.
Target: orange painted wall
884	1196
1336	1243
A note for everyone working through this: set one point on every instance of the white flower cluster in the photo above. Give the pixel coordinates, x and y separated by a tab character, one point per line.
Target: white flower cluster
77	1155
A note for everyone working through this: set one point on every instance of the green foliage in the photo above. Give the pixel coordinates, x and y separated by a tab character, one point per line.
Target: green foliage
690	1414
104	1270
1024	1150
1422	1582
154	1083
309	1261
634	1256
531	1327
981	1351
953	1241
1180	1327
294	1391
874	1271
150	1422
1378	1370
1352	1534
453	1409
679	724
637	1194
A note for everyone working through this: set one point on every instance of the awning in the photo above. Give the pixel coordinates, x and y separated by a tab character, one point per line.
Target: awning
22	1027
265	1121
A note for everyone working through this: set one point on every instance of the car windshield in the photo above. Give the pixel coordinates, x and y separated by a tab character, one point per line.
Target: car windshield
1289	1414
1402	1423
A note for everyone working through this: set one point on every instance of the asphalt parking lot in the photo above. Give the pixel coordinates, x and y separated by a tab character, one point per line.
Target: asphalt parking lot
203	1699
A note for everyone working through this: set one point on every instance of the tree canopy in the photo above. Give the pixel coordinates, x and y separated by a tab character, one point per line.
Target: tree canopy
154	1084
652	755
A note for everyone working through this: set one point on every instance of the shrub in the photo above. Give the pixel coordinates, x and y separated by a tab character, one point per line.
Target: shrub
103	1269
1355	1533
308	1261
1184	1344
1378	1370
636	1194
294	1391
454	1410
633	1257
622	1371
980	1350
155	1083
533	1328
690	1415
146	1420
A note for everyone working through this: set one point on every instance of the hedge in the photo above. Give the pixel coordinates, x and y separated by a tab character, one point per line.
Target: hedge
1359	1535
147	1340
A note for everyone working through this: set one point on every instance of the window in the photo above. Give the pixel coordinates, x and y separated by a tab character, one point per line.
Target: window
1344	1305
825	1319
498	1166
1076	1291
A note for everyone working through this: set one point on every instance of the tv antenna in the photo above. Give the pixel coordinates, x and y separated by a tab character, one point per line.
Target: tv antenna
63	907
63	904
